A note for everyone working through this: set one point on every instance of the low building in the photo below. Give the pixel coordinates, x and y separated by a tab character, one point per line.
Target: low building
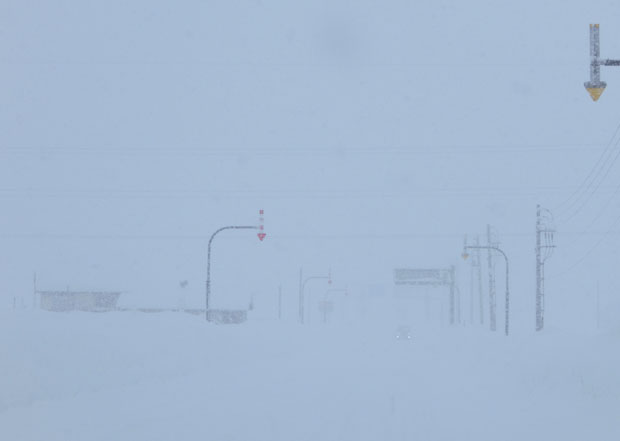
93	301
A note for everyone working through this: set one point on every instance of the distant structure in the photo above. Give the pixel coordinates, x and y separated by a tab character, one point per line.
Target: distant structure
91	301
435	277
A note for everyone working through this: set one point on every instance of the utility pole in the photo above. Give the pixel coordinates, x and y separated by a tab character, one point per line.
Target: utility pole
544	231
280	302
475	272
598	307
491	267
453	293
34	291
458	305
539	290
479	265
301	299
452	296
471	291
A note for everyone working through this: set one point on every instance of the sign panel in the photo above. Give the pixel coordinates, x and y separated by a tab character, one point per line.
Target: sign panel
421	276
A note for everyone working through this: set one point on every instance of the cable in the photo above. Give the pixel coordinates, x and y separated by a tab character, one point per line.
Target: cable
592	177
422	149
586	201
121	193
589	252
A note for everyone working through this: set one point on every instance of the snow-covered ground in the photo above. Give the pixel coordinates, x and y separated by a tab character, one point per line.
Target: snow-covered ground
131	376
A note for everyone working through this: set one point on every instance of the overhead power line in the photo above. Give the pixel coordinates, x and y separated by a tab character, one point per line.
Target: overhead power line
417	149
589	252
592	182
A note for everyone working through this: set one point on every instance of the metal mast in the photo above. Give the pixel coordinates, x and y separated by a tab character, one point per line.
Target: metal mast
595	86
544	231
479	265
476	273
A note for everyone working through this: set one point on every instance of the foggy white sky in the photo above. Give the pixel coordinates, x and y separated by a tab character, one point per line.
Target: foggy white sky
374	135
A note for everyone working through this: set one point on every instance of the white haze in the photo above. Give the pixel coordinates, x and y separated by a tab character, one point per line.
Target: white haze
375	135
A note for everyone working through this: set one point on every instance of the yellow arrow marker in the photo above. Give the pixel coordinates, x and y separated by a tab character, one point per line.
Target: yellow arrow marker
595	92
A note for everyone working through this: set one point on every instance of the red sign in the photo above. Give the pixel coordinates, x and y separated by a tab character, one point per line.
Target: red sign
261	235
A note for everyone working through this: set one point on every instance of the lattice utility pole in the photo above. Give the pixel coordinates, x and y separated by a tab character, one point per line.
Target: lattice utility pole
475	273
544	232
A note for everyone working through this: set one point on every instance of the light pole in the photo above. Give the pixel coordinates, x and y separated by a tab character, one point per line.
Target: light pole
208	294
301	295
465	255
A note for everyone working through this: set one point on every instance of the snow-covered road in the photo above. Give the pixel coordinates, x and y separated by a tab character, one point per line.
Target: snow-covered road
131	376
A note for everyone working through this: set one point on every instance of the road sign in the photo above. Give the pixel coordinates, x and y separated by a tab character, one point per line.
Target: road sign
595	86
261	227
423	276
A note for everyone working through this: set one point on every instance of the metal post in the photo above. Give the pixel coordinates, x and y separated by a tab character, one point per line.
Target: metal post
595	86
302	298
598	308
34	292
280	302
471	294
507	301
452	297
595	54
539	294
458	305
480	296
544	226
208	288
492	300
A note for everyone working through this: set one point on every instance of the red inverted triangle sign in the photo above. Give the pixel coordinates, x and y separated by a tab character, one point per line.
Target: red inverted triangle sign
261	236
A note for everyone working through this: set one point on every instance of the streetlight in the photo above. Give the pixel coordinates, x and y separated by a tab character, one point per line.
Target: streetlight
301	294
465	255
232	227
